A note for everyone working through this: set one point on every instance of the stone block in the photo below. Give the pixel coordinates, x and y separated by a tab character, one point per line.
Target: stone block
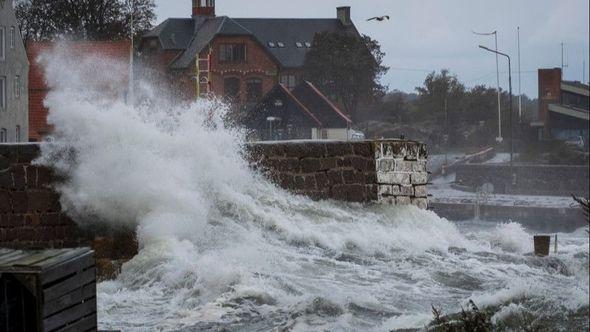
19	176
45	177
322	181
50	219
420	178
421	191
310	165
349	176
419	166
43	201
403	166
403	200
298	182
309	183
316	150
32	219
359	163
393	178
295	150
328	163
412	151
389	190
286	181
19	202
338	149
422	203
345	162
4	163
385	164
389	200
372	195
407	190
370	178
5	201
362	149
335	177
6	181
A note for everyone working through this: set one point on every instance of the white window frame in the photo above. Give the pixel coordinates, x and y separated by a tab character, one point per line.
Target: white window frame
17	87
3	99
3	135
2	43
12	37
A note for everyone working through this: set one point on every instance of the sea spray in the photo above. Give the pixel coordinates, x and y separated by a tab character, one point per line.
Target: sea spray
221	247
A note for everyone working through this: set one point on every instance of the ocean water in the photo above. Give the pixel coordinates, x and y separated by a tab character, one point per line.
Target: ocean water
221	248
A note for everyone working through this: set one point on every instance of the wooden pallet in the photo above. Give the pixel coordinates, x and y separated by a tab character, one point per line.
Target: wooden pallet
49	290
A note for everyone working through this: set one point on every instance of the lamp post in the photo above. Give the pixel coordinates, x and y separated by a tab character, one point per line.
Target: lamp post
499	139
510	92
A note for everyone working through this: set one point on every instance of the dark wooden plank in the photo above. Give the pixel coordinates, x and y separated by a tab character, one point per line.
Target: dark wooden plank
69	285
88	323
70	315
8	262
4	251
66	255
73	265
68	300
37	257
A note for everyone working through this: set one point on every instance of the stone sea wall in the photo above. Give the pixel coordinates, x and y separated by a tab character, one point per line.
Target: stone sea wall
385	171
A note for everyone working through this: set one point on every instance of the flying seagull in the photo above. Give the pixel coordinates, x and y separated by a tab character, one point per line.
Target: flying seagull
379	18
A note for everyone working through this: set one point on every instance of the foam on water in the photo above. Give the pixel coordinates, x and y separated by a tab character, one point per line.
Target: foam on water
223	247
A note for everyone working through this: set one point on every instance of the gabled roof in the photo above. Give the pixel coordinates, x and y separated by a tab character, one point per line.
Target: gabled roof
308	90
193	35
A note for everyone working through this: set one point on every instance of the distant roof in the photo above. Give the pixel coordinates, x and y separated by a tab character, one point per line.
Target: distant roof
287	40
576	87
570	111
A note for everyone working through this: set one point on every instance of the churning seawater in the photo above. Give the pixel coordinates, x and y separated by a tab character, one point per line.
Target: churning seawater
222	248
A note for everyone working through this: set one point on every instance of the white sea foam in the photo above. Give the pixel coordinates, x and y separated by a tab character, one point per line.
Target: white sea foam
221	245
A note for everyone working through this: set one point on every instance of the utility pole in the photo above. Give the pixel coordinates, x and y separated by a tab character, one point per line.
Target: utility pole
499	139
519	80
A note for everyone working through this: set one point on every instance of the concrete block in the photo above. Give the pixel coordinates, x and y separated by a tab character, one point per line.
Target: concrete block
419	166
310	165
385	165
389	190
335	177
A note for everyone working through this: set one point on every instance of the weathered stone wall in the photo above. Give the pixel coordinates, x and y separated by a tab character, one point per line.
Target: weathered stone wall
525	179
31	215
387	171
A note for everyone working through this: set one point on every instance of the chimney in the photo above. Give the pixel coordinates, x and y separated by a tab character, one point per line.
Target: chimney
343	14
203	8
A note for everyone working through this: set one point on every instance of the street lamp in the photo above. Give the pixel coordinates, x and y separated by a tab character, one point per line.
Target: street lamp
510	92
270	120
499	139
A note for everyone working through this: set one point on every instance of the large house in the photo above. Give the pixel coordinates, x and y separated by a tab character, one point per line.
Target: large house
119	51
301	113
14	71
241	59
564	107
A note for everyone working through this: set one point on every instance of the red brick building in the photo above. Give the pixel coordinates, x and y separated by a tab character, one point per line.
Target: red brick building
241	59
38	127
564	107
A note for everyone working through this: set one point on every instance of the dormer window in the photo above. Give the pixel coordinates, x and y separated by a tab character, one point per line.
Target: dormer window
280	44
299	44
308	44
272	44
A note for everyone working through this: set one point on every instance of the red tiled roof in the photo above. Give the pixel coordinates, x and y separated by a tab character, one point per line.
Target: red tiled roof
117	50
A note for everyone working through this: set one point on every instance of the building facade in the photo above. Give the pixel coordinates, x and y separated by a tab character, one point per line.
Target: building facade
117	51
240	59
564	107
14	71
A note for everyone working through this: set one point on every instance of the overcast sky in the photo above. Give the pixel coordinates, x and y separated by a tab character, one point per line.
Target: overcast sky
428	35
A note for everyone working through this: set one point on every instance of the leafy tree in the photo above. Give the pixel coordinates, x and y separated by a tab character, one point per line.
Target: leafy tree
347	67
44	20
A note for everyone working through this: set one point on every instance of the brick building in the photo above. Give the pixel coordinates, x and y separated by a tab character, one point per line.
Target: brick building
113	50
241	59
564	107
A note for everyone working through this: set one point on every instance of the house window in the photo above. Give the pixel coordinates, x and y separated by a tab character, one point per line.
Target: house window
231	87
232	52
272	44
17	87
289	81
12	37
2	43
308	44
3	135
254	89
299	44
2	93
17	134
280	44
